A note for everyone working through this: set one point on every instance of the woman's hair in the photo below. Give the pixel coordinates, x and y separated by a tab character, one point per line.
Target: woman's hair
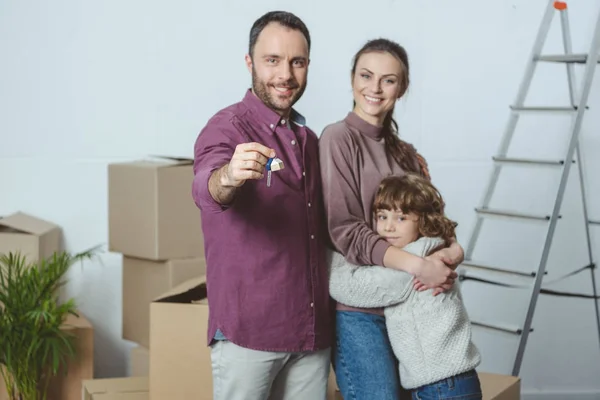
411	193
403	153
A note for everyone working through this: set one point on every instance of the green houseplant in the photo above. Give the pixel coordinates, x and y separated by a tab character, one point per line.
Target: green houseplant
33	347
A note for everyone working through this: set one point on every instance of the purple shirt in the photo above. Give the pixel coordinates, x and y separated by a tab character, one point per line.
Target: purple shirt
267	277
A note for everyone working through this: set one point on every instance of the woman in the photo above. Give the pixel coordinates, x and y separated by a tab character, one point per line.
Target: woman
356	154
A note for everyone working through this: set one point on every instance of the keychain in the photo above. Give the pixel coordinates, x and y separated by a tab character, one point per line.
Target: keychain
274	164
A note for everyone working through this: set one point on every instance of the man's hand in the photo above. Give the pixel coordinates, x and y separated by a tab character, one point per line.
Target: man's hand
248	162
434	273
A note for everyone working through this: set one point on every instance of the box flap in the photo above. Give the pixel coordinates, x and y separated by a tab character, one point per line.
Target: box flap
25	223
174	159
154	162
191	290
116	385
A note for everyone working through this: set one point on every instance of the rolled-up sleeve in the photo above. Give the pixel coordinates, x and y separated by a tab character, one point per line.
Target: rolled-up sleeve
213	148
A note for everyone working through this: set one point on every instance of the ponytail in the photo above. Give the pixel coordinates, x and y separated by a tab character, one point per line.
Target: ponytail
403	153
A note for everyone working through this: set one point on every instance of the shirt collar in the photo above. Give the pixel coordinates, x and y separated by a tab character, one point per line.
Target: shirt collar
270	117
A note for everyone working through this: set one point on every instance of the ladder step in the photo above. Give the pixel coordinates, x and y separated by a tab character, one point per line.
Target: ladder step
472	264
594	222
565	58
568	109
515	331
505	213
515	160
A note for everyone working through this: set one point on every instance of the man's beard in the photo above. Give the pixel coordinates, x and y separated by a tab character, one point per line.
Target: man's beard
261	89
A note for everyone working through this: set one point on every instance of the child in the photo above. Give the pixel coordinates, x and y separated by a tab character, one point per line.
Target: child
430	335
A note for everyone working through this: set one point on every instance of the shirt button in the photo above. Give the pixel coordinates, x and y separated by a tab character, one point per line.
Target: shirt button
293	142
283	122
272	126
312	304
312	236
309	205
303	173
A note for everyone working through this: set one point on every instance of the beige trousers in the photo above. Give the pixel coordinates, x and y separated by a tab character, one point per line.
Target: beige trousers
244	374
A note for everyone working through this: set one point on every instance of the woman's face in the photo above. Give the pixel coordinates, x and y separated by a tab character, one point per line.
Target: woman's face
376	85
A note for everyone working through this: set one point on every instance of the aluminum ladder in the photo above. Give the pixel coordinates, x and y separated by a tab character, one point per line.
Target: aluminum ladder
577	109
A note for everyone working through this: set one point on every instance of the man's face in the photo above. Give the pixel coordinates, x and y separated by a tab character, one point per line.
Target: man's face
279	67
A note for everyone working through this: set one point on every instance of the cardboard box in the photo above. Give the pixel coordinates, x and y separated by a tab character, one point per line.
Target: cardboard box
132	388
500	387
151	212
143	281
139	361
82	367
33	237
180	365
333	392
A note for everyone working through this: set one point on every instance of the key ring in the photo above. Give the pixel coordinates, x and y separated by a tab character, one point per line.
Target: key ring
273	164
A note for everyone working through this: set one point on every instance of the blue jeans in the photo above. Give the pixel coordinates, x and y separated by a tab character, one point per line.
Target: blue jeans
363	359
465	386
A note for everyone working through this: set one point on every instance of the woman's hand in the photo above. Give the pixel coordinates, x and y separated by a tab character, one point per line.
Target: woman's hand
434	273
451	256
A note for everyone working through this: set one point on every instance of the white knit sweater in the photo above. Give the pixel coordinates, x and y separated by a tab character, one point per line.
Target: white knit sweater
430	335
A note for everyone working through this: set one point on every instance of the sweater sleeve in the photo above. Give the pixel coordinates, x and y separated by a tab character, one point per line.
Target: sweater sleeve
366	287
376	286
349	232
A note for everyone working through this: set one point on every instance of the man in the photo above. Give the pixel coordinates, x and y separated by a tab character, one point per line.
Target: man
270	326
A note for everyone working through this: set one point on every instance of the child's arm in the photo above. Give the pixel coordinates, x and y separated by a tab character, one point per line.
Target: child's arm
372	287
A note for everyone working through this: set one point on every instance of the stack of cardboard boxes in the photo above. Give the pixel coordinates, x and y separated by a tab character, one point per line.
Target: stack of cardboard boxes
38	239
155	225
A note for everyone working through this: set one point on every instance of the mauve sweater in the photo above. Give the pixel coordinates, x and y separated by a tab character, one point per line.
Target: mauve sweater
353	163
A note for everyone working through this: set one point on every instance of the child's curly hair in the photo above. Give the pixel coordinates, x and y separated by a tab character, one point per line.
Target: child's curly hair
412	193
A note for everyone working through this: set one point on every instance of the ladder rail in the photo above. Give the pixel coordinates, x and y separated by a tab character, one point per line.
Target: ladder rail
568	48
524	85
573	94
590	67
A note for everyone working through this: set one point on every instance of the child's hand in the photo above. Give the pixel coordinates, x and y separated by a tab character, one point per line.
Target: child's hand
420	286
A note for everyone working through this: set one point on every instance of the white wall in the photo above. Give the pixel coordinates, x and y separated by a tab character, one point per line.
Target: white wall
83	84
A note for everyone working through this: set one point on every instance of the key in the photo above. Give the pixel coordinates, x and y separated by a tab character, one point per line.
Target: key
274	164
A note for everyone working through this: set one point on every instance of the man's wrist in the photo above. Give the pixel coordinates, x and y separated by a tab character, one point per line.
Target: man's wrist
223	178
220	188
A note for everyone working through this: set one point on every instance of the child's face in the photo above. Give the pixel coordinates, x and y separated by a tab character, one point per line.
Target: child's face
397	228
